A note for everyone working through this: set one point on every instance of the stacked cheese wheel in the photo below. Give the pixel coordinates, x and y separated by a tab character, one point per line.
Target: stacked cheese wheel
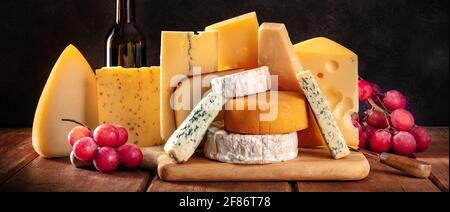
258	129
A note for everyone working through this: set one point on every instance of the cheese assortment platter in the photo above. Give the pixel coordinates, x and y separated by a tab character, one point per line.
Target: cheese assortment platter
237	102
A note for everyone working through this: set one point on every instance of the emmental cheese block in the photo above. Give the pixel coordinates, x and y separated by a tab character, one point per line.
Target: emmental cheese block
191	90
333	136
335	69
69	93
130	97
249	149
276	52
238	42
183	54
272	112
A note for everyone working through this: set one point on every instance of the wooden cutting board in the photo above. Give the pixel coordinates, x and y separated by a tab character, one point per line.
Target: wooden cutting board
310	165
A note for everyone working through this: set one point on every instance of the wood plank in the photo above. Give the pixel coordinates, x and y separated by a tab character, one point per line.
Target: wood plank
59	175
158	185
312	164
384	178
16	151
381	178
438	157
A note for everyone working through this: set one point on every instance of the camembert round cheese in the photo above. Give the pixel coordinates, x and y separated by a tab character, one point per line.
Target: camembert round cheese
249	149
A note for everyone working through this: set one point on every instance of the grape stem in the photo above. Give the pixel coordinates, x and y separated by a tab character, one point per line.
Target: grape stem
384	110
374	105
76	122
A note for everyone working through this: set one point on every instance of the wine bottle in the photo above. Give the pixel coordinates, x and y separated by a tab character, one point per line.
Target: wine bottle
125	44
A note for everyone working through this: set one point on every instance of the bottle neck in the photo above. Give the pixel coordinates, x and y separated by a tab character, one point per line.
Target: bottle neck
124	11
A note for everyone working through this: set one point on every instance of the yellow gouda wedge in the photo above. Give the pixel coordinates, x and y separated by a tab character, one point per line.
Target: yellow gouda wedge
70	93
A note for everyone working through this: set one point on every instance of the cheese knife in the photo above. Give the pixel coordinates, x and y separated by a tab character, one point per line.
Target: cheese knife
410	166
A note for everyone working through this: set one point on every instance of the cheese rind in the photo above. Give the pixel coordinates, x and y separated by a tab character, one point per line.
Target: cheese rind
186	138
276	51
333	136
181	53
272	112
243	83
130	97
335	69
69	93
238	42
191	90
249	149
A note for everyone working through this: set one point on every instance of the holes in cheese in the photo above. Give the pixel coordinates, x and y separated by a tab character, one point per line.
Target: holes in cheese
252	114
130	97
335	69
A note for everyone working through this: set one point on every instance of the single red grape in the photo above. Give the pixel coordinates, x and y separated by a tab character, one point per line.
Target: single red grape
106	159
394	100
423	138
84	148
123	135
106	135
377	119
362	140
80	164
77	133
130	156
380	141
376	89
364	90
402	120
403	143
369	130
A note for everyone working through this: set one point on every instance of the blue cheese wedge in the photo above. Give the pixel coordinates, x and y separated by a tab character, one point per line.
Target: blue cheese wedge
243	83
186	138
333	136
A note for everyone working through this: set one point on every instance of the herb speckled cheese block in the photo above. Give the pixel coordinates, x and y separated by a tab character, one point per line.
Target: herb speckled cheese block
186	138
333	136
249	149
130	97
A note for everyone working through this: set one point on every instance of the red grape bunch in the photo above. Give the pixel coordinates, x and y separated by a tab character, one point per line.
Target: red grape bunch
387	125
106	148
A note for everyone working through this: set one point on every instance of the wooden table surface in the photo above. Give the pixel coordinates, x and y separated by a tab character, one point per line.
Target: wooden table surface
21	169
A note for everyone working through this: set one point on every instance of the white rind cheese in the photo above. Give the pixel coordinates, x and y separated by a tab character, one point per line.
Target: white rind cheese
183	142
243	83
249	149
327	124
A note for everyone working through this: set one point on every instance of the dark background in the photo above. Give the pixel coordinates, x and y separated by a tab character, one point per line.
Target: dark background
402	44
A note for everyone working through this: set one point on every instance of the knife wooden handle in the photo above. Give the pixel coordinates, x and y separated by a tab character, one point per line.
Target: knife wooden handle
407	165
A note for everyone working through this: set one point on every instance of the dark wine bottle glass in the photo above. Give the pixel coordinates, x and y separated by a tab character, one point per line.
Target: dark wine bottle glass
125	44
